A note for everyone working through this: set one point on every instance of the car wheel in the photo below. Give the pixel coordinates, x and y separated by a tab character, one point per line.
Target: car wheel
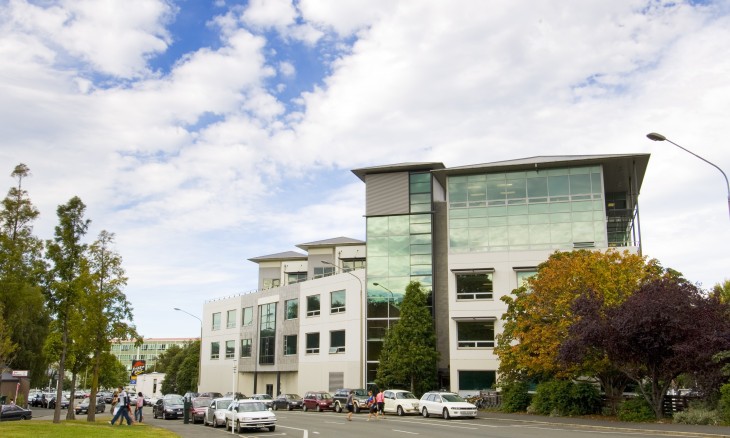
289	407
338	407
319	408
304	408
164	415
275	407
446	414
425	412
272	428
400	411
227	425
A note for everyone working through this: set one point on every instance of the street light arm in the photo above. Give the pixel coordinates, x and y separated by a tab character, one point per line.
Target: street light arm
183	311
658	137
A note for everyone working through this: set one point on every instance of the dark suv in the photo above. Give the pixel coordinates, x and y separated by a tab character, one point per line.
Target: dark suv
318	401
359	399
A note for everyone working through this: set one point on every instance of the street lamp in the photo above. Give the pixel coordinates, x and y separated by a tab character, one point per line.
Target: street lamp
658	137
200	359
389	299
362	322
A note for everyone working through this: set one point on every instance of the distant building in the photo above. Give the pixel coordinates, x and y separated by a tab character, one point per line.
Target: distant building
125	350
468	234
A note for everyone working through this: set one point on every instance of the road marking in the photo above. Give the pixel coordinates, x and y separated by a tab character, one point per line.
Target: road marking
406	431
305	431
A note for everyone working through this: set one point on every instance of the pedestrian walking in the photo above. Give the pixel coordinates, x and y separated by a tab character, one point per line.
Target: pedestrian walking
138	408
349	404
372	406
380	400
123	408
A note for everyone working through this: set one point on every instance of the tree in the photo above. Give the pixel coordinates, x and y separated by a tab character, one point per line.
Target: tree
21	274
7	346
180	365
666	328
409	355
66	252
539	314
106	312
722	290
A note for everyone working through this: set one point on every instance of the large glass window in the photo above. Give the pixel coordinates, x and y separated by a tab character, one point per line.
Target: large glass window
290	345
523	275
313	305
292	308
351	265
325	271
475	334
247	316
215	350
474	285
295	277
230	349
337	341
476	380
267	334
312	343
216	321
231	319
337	301
246	347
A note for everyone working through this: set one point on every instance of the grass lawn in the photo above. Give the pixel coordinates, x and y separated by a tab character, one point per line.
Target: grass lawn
79	428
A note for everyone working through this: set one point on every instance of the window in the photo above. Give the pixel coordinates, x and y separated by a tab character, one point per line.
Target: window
324	272
217	321
474	285
290	345
351	265
267	334
231	319
215	350
337	301
295	277
313	305
475	334
312	343
337	341
523	275
476	380
230	349
246	347
271	282
292	308
247	316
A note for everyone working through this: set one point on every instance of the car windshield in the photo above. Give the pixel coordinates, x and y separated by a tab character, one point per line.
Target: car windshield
452	398
201	403
174	399
324	396
360	392
251	407
264	397
293	396
223	404
404	395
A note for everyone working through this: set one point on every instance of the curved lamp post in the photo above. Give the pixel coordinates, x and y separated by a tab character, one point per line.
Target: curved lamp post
200	359
658	137
389	299
362	321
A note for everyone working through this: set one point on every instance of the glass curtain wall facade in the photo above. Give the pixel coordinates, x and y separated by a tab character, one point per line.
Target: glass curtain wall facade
527	210
399	251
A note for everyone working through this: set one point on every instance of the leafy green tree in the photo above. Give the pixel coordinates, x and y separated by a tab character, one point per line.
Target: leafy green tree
21	274
169	363
7	346
66	253
722	291
180	365
107	314
666	328
409	355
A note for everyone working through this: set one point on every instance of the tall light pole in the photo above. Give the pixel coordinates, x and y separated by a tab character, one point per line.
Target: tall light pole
362	322
200	358
658	137
389	299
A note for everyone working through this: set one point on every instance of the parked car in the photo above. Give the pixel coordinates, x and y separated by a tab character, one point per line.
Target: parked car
400	401
198	408
244	414
318	401
83	407
288	402
190	395
37	400
169	406
211	395
14	412
359	399
237	396
265	398
447	405
108	396
52	402
215	414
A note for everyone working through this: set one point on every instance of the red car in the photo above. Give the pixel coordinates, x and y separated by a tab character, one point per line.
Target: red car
318	401
198	409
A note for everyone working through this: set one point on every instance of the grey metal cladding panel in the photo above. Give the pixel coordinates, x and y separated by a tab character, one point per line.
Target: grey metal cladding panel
387	194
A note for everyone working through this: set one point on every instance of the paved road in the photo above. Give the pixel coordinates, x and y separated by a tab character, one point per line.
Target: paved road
326	424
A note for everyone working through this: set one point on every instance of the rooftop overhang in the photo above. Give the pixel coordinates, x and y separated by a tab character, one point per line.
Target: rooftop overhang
401	167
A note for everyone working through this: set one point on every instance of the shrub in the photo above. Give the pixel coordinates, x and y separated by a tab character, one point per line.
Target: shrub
698	416
723	405
515	397
636	409
563	397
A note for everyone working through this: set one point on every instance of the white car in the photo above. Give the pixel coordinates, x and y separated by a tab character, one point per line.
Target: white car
447	405
249	413
401	402
215	415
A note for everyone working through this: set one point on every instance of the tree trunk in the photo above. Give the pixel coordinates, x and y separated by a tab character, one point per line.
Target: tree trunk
71	415
91	417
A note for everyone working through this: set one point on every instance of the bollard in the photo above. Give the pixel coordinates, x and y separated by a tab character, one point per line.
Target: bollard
186	411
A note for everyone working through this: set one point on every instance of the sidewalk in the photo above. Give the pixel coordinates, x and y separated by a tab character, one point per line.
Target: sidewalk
669	428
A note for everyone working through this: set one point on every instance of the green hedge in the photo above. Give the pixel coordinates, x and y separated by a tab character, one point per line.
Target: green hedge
515	397
564	397
636	409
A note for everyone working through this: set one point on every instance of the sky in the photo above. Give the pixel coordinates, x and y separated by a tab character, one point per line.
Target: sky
204	133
